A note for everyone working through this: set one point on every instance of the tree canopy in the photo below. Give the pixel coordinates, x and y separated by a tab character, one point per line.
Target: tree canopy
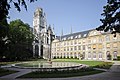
5	6
7	32
19	41
111	14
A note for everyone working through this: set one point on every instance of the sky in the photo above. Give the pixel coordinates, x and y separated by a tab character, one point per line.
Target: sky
81	15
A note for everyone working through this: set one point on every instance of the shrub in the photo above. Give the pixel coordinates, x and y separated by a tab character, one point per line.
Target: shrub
118	58
67	57
71	57
75	57
54	57
57	57
105	65
60	57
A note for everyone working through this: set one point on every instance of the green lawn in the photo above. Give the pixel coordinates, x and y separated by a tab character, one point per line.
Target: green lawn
96	64
4	72
60	74
57	74
90	63
5	63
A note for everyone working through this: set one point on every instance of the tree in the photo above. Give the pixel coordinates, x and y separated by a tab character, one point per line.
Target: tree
111	20
5	6
19	41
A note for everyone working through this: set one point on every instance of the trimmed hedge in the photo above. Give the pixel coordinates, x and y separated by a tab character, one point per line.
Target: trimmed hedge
105	65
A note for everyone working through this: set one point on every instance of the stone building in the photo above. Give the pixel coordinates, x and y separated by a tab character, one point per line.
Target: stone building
43	35
88	45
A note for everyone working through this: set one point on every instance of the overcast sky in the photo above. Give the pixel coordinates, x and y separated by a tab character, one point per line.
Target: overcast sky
81	15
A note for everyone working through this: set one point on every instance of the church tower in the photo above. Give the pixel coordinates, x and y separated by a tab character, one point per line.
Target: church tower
41	46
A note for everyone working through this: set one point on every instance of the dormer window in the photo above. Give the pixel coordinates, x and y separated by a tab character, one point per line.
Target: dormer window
79	36
76	36
71	37
65	38
84	35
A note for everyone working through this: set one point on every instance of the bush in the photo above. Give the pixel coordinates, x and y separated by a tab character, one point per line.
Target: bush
71	57
67	57
75	57
60	57
57	57
54	57
105	65
118	58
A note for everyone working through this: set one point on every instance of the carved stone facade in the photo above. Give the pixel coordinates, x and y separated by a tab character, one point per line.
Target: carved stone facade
43	35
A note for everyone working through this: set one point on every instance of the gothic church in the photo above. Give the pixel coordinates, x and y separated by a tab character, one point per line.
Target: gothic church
43	35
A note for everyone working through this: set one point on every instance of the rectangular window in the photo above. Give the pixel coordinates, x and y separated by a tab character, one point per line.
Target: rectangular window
108	45
75	48
107	38
89	41
114	45
100	46
114	37
79	42
83	47
100	39
75	42
64	49
64	43
89	47
79	47
71	48
67	49
100	55
94	55
67	43
94	46
89	55
71	42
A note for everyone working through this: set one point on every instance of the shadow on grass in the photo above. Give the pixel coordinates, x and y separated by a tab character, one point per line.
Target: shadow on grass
4	72
61	74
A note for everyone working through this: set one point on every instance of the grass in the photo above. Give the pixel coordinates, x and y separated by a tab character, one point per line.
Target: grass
95	64
90	63
57	74
4	72
5	63
60	74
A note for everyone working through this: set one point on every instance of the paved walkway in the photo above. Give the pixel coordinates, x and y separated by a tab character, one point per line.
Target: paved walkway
112	74
14	75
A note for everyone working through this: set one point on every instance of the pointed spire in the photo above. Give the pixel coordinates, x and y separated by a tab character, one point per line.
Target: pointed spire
53	30
71	30
62	32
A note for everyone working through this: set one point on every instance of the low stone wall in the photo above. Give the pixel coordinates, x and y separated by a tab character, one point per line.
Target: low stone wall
63	68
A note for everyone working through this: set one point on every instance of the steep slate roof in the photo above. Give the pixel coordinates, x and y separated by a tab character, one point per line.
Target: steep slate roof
83	34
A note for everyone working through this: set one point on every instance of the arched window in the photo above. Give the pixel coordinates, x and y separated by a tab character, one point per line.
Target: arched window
108	55
100	55
89	55
94	55
115	55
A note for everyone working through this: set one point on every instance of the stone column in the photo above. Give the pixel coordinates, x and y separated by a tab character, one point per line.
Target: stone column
39	48
33	50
